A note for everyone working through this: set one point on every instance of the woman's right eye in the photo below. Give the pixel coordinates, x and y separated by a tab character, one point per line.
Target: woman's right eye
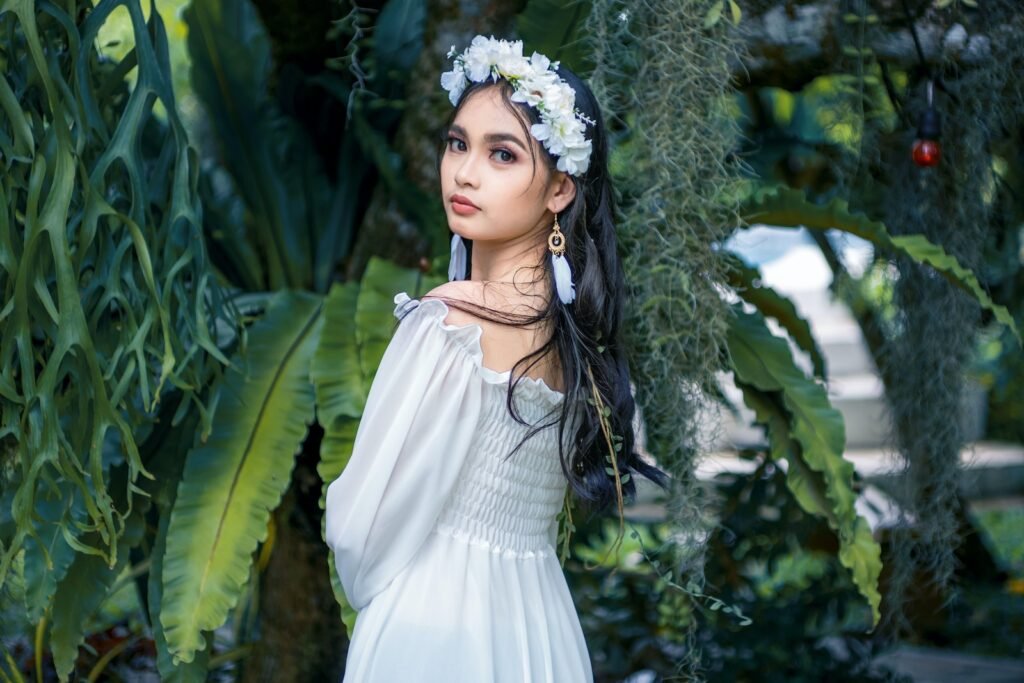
451	139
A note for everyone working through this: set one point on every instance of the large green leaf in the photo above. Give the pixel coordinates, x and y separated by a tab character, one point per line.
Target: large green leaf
280	221
335	451
747	282
783	206
233	481
806	485
398	38
375	308
336	373
809	433
170	672
168	447
552	27
341	391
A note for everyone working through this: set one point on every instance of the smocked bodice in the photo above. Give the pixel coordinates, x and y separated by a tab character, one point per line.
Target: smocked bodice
505	503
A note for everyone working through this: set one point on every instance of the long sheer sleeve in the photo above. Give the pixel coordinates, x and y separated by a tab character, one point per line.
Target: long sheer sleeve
415	433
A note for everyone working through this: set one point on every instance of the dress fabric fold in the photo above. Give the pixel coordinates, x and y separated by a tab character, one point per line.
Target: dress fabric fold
444	542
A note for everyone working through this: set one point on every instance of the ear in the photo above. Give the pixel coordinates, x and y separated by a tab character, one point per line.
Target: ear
561	193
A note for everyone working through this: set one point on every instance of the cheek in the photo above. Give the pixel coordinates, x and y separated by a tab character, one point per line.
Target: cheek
447	173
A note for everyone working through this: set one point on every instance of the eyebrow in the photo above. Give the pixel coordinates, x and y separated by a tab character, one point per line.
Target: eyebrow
489	137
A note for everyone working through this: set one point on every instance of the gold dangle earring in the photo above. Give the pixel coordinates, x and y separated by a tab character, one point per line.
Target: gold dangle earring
560	265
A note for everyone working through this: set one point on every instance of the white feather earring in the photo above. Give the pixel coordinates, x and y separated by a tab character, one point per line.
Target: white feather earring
560	265
457	264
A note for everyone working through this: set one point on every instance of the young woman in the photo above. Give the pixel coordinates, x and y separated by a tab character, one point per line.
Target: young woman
444	521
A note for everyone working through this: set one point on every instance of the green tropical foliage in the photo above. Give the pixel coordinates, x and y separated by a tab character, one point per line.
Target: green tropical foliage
784	608
746	280
786	207
233	480
111	314
290	374
297	224
806	433
179	324
106	281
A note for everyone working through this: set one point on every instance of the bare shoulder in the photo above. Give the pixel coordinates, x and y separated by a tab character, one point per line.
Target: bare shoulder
457	290
502	345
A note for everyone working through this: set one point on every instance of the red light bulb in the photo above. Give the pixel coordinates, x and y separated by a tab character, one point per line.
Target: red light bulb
926	152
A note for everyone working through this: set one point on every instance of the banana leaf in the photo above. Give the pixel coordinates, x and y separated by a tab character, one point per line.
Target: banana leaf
552	27
233	481
809	434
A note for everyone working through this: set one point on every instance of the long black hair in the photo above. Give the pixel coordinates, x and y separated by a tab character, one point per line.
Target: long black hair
585	333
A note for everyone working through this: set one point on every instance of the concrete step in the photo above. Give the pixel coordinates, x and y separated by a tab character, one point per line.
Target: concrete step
843	347
820	306
925	665
860	399
840	342
931	665
992	470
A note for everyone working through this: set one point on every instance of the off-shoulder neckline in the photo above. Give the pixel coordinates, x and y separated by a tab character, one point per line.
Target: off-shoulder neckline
470	335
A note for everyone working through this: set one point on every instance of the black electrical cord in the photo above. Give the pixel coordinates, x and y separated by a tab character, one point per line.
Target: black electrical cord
937	80
917	41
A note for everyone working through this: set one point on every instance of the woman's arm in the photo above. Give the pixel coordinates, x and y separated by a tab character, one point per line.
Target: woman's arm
420	417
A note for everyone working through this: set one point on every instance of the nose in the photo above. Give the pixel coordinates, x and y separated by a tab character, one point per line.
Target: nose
466	170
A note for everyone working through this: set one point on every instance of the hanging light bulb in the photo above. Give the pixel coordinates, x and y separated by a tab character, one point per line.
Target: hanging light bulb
927	150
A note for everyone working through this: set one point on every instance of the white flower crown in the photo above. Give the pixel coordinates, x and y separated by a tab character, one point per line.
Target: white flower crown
537	84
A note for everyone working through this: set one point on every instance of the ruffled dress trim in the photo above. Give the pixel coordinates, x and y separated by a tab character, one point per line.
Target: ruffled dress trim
468	338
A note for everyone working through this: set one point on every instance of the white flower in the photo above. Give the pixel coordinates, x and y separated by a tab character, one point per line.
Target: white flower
539	62
528	94
536	82
454	82
477	64
480	43
513	66
559	98
504	49
579	153
541	131
542	80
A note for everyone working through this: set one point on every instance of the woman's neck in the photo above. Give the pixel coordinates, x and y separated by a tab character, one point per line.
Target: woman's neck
506	262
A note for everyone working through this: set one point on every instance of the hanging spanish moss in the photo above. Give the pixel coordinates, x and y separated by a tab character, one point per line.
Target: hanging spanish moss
655	60
978	96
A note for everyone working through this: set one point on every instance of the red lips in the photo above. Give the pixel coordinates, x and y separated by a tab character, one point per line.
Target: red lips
459	199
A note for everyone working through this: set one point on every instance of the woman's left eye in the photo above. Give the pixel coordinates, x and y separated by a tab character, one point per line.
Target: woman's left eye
508	158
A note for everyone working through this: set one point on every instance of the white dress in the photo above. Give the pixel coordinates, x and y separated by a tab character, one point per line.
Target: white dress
447	550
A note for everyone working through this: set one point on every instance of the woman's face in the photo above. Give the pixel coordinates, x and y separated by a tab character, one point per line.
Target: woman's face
487	161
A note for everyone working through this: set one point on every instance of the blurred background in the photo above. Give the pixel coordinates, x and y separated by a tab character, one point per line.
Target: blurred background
822	222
